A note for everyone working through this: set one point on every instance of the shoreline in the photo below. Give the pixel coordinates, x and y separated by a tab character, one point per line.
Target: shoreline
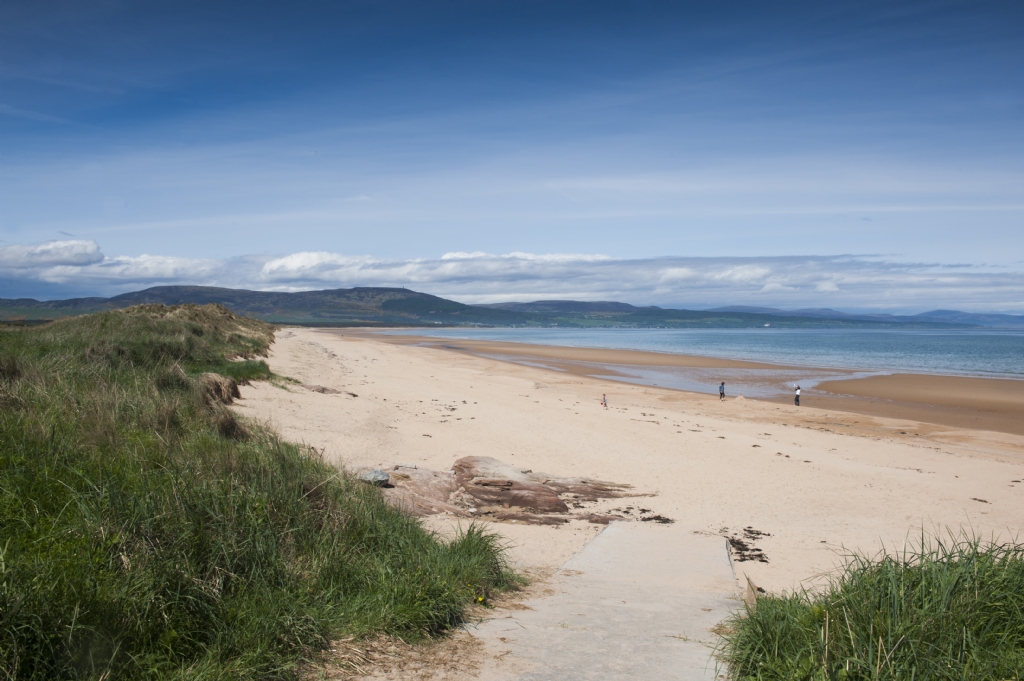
954	401
807	484
688	359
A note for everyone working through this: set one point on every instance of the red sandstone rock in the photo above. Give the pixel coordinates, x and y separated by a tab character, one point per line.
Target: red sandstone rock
483	486
493	483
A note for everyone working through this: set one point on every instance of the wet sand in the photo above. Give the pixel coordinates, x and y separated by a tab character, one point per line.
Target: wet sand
956	401
567	353
953	401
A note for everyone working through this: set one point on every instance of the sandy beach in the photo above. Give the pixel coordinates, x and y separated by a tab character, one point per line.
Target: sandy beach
956	401
816	482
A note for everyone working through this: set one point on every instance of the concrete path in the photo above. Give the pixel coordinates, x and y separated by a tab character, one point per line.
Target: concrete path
636	603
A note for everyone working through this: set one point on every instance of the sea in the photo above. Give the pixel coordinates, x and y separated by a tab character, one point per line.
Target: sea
992	353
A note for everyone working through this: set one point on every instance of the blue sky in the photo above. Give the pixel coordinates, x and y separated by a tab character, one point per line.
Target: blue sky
852	155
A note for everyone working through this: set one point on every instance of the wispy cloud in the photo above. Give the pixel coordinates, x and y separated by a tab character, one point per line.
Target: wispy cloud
839	281
8	110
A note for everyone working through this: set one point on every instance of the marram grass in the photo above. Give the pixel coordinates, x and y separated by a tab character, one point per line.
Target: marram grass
146	534
950	610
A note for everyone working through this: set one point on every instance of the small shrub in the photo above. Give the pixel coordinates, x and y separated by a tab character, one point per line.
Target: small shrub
9	369
949	610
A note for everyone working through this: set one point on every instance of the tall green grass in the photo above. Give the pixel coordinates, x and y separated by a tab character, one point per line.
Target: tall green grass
144	533
948	610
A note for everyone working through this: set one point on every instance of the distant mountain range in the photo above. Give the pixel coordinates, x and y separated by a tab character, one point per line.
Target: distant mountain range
402	307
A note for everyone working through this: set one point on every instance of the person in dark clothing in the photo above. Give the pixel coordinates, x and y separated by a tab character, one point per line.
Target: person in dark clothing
721	391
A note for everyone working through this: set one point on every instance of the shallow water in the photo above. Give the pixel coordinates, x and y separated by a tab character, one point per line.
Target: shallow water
754	383
974	352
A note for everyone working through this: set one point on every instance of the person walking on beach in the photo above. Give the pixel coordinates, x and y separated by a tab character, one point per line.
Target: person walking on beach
721	391
604	400
796	396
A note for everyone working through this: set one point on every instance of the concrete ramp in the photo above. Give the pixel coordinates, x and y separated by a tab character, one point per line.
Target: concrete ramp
638	602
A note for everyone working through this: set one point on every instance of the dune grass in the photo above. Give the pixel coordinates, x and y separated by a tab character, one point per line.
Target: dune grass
145	533
948	610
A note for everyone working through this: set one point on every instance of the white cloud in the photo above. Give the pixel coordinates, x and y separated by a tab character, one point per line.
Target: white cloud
143	270
50	254
776	287
459	255
311	265
844	282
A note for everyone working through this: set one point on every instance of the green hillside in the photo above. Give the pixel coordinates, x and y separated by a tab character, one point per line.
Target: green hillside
402	307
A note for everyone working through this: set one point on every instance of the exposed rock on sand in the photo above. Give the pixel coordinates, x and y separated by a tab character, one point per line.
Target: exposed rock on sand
375	477
481	485
490	483
323	390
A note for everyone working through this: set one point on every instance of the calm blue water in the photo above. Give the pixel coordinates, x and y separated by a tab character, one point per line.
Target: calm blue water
979	352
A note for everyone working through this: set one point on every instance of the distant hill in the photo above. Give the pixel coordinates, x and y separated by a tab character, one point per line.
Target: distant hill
1006	321
365	306
560	307
344	307
981	319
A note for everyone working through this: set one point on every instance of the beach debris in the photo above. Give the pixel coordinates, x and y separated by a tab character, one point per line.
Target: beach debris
644	515
742	545
660	519
374	477
751	593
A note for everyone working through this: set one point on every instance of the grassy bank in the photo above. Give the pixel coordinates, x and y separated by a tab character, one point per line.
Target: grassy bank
146	533
952	610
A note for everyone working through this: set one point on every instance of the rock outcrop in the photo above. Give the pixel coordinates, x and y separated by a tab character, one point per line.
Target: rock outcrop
481	485
493	484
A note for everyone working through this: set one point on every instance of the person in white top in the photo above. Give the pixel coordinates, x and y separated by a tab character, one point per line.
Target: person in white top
796	396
